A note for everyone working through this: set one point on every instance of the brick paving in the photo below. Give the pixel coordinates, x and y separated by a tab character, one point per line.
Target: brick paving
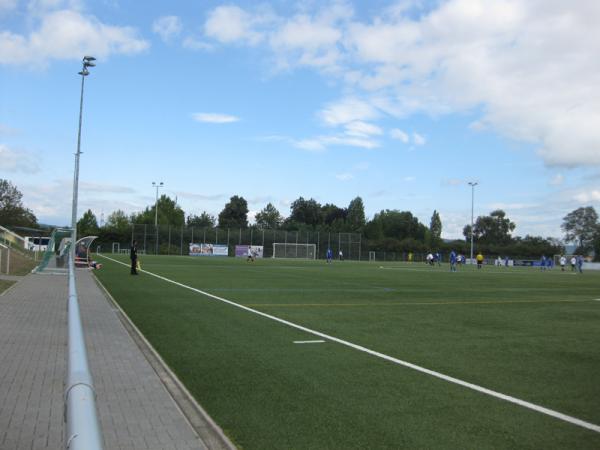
135	409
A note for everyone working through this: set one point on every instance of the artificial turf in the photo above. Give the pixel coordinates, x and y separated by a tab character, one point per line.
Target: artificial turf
529	334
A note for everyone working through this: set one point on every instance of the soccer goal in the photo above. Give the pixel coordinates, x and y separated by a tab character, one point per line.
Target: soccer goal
304	251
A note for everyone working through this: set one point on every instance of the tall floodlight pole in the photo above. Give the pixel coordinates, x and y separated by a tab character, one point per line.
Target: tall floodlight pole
156	185
88	61
472	184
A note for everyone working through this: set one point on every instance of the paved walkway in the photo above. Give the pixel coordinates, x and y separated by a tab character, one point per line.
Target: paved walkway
135	409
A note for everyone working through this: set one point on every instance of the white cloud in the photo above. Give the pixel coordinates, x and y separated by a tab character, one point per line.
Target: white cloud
348	110
321	143
68	34
512	206
196	44
17	161
215	118
528	69
592	195
230	24
7	5
453	182
314	145
167	27
400	135
5	130
362	129
557	180
409	179
344	176
419	139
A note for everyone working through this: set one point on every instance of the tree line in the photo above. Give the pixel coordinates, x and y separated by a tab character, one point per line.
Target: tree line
390	230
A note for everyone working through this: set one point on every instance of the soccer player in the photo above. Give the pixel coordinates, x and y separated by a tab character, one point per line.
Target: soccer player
563	261
452	261
329	256
573	262
580	264
341	255
250	254
479	259
543	262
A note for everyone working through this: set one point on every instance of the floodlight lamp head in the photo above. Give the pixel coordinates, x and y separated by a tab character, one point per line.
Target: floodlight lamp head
89	64
89	58
84	72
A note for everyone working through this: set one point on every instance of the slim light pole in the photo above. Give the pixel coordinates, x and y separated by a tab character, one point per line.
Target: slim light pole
88	61
472	184
156	185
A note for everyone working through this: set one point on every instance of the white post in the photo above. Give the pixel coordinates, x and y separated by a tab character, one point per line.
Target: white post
472	184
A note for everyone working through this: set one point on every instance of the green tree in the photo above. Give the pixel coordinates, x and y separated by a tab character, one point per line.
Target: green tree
356	215
581	226
435	227
87	225
204	220
12	211
234	214
332	214
396	224
268	217
169	213
492	229
306	212
118	221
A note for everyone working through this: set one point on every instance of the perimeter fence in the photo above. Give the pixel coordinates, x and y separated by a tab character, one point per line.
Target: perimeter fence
170	240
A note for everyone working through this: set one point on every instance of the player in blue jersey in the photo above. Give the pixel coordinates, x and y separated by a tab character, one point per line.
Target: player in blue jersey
452	261
329	255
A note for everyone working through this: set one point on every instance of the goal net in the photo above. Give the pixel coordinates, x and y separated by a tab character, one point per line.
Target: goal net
305	251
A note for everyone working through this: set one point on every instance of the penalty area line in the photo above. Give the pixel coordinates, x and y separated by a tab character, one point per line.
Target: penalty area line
441	376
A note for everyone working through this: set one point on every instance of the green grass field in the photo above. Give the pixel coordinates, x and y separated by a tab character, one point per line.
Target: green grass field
521	332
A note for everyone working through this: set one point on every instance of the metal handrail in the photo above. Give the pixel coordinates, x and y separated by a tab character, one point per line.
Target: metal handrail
81	417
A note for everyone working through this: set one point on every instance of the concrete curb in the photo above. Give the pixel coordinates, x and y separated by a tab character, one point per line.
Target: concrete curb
205	427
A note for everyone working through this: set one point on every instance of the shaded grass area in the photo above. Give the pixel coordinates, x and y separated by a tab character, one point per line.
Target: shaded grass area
267	392
5	284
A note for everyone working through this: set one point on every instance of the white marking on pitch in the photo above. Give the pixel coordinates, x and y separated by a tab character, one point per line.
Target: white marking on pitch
433	373
309	342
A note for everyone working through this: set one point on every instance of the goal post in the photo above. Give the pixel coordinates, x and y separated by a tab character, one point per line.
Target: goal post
288	250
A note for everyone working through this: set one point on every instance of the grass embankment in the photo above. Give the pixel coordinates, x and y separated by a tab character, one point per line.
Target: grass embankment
19	264
524	333
5	284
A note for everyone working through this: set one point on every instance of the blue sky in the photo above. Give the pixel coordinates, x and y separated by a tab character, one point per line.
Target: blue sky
399	102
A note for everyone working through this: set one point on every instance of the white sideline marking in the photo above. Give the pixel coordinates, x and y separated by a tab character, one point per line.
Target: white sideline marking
475	387
318	341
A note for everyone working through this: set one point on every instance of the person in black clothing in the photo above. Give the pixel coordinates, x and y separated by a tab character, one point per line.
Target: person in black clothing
133	257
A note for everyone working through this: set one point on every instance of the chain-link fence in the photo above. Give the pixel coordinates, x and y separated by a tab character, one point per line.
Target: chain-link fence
169	240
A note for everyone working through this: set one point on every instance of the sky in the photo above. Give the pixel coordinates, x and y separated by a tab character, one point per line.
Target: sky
399	102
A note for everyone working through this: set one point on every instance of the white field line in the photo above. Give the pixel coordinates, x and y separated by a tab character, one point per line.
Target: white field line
466	384
318	341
